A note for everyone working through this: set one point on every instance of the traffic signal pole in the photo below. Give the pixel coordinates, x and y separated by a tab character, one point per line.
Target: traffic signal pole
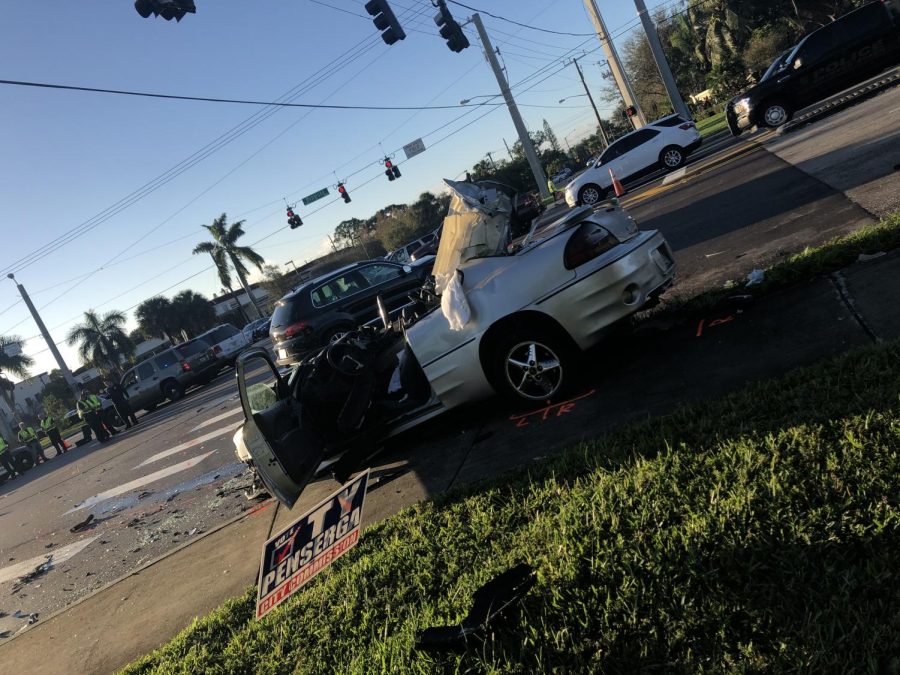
51	345
662	63
528	146
615	65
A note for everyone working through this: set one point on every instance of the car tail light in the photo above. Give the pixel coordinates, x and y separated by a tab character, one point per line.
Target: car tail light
589	241
295	328
217	350
185	367
686	125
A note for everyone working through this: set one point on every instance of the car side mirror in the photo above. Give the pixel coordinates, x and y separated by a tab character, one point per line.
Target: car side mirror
407	269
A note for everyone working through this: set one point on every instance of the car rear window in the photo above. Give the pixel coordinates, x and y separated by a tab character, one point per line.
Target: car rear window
288	313
192	348
166	359
673	121
221	333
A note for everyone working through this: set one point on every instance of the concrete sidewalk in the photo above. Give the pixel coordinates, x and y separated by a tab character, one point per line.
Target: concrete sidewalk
652	372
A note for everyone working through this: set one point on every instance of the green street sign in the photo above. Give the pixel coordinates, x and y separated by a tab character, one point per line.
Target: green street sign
314	196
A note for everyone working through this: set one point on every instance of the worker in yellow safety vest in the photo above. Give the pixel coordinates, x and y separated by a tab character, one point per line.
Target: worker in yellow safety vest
6	459
89	407
29	438
49	427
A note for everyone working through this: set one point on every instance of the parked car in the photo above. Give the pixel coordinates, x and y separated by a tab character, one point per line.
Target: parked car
663	144
319	311
430	248
169	374
404	253
838	55
226	342
514	322
257	330
560	177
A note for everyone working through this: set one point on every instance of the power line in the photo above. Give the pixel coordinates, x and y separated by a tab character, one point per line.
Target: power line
522	25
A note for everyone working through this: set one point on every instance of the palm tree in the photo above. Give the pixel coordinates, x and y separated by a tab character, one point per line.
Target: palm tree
224	249
193	312
156	317
102	340
13	363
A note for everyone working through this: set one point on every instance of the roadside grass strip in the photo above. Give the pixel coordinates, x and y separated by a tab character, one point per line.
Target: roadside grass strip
713	124
758	532
810	263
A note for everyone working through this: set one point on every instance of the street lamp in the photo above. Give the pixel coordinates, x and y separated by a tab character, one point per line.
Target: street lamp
466	101
562	100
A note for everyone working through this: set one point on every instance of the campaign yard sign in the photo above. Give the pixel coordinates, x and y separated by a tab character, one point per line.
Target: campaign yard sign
310	544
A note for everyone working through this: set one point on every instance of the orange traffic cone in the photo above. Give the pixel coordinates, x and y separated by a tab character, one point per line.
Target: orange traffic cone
617	184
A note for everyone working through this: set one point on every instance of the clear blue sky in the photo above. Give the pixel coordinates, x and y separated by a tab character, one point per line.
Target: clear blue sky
67	156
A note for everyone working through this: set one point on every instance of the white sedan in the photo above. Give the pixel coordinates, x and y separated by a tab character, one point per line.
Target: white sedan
505	318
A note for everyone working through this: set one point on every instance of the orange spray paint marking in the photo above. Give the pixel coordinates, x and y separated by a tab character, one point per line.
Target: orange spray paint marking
559	409
700	327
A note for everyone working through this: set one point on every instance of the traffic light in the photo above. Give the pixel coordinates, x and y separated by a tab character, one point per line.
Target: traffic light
385	21
293	219
344	193
167	9
449	29
391	170
630	111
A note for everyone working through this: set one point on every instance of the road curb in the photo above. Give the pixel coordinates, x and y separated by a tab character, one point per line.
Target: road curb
259	508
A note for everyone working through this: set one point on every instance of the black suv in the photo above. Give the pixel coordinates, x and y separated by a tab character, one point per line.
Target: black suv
848	50
322	309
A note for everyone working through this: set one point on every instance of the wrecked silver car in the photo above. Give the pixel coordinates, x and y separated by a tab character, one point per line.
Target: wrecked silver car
502	316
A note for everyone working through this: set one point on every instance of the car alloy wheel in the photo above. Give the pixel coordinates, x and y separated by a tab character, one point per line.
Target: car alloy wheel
590	195
533	370
775	115
173	391
673	158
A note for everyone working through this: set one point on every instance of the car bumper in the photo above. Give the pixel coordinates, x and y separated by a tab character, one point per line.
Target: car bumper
738	121
610	290
693	146
291	352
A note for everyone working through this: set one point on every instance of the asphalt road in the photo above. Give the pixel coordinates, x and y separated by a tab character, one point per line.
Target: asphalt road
153	488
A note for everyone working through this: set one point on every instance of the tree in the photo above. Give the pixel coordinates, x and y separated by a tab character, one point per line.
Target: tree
551	137
193	313
277	284
12	363
102	340
59	389
224	249
350	232
54	406
156	318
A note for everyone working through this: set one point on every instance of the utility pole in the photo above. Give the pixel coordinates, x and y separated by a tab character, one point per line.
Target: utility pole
491	157
530	153
678	104
615	65
593	105
296	271
51	345
508	151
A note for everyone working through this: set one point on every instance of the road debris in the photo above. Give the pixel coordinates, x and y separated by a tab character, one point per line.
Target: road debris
38	571
866	257
755	277
489	603
83	525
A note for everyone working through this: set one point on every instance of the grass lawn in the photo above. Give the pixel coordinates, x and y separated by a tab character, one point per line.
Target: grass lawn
758	532
712	125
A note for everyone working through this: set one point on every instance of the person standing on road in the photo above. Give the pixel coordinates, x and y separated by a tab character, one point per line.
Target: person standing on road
29	438
88	407
119	397
6	459
48	425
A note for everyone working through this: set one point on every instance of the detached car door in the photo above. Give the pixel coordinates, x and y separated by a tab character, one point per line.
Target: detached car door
284	453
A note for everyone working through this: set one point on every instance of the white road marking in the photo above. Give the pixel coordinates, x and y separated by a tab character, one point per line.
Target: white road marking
60	555
189	444
139	482
218	418
675	175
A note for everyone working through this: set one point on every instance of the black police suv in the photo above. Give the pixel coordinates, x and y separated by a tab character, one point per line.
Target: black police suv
319	311
850	49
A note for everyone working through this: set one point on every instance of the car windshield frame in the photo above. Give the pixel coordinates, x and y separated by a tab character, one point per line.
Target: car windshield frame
777	65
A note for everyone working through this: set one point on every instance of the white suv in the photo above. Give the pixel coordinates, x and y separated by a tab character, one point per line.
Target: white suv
227	342
663	144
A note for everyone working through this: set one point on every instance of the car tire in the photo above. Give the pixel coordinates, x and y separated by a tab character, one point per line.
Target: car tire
775	112
334	333
172	390
528	381
23	461
671	158
591	194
